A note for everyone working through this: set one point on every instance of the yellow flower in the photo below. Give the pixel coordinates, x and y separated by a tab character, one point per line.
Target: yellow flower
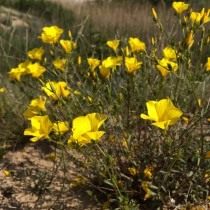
2	90
60	63
170	53
41	127
148	172
207	178
189	40
6	173
112	62
16	73
67	45
207	155
79	60
35	69
60	127
56	90
195	17
78	181
113	44
127	51
180	6
206	17
93	63
200	17
162	112
104	72
136	44
36	106
36	54
165	66
207	65
22	69
146	187
186	120
154	14
51	34
133	171
132	64
86	128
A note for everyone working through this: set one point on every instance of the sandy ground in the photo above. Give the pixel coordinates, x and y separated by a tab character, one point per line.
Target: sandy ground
30	179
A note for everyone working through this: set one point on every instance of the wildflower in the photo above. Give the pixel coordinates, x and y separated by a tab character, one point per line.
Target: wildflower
93	63
199	101
60	63
127	51
195	17
186	120
16	73
170	53
162	112
180	6
148	192
132	171
200	18
6	172
136	45
207	177
104	72
207	155
189	40
165	66
35	69
77	93
148	172
132	64
41	126
67	45
154	14
60	127
56	90
79	60
207	65
208	39
78	181
51	34
51	156
36	54
2	89
89	99
113	44
112	62
86	128
125	143
36	106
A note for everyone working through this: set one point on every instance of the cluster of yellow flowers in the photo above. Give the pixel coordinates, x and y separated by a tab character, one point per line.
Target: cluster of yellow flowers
196	18
35	64
168	62
84	128
162	113
126	57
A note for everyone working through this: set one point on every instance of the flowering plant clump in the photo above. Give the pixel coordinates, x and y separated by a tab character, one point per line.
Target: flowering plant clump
94	102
